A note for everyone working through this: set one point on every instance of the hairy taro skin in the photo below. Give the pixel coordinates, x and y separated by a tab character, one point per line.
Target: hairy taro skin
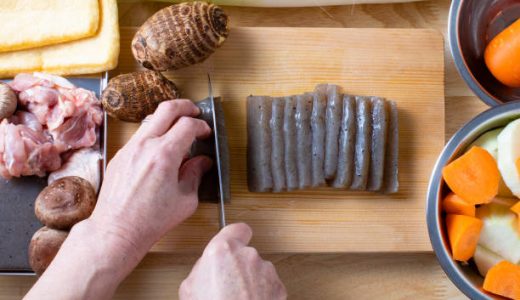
180	35
131	97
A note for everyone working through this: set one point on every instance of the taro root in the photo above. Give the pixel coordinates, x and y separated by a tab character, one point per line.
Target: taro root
131	97
180	35
65	202
44	246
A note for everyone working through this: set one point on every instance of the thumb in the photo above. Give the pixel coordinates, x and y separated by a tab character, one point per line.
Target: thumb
191	173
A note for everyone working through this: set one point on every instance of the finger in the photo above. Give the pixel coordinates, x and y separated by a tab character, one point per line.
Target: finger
183	133
238	232
191	173
166	114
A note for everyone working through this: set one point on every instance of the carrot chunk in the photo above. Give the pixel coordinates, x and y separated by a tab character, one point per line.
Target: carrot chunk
502	55
474	176
454	204
463	233
503	279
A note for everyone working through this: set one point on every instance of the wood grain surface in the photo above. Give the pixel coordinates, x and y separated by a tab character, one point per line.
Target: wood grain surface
345	276
285	61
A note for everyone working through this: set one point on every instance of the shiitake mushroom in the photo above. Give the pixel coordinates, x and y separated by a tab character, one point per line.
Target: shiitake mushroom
65	202
131	97
180	35
44	246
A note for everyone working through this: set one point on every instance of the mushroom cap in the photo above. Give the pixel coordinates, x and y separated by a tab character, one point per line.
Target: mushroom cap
43	247
65	202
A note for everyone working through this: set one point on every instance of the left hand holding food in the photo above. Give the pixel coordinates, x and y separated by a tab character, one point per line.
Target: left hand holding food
149	187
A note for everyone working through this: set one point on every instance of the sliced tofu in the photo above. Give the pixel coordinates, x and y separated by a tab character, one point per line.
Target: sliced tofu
508	154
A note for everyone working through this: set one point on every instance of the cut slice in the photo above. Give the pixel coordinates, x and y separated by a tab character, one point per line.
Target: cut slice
508	154
453	204
489	141
474	176
504	280
499	232
463	233
485	259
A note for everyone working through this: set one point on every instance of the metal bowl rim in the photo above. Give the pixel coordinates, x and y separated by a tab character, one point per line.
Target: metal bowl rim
450	267
460	62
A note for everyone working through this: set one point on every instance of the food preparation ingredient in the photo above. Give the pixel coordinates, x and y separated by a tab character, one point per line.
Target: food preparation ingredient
289	135
463	234
508	154
391	176
84	163
347	141
363	143
378	146
8	101
44	246
474	176
133	96
25	149
499	232
71	115
89	55
209	185
65	202
485	259
503	279
278	152
45	22
502	56
304	138
319	104
453	204
180	35
259	175
332	123
489	141
298	149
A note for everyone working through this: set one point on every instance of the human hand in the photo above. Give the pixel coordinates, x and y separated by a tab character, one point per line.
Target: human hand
229	269
149	186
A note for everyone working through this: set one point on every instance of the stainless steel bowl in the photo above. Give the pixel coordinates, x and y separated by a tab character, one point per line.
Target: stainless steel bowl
465	277
472	25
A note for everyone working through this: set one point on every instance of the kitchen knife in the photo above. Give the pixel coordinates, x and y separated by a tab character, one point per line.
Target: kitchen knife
222	211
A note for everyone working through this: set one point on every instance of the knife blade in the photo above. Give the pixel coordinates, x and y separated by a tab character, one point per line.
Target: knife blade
222	211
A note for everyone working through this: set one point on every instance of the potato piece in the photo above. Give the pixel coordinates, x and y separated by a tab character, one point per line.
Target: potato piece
65	202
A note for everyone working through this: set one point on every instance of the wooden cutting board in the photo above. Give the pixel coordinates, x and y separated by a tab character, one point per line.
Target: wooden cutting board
406	65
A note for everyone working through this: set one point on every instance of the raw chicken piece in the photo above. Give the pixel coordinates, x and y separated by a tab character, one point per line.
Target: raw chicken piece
25	151
83	163
72	115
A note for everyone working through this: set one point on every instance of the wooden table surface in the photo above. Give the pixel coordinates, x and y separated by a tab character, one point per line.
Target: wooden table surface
313	276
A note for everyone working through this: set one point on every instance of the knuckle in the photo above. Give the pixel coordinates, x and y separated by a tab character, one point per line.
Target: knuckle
219	248
170	105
